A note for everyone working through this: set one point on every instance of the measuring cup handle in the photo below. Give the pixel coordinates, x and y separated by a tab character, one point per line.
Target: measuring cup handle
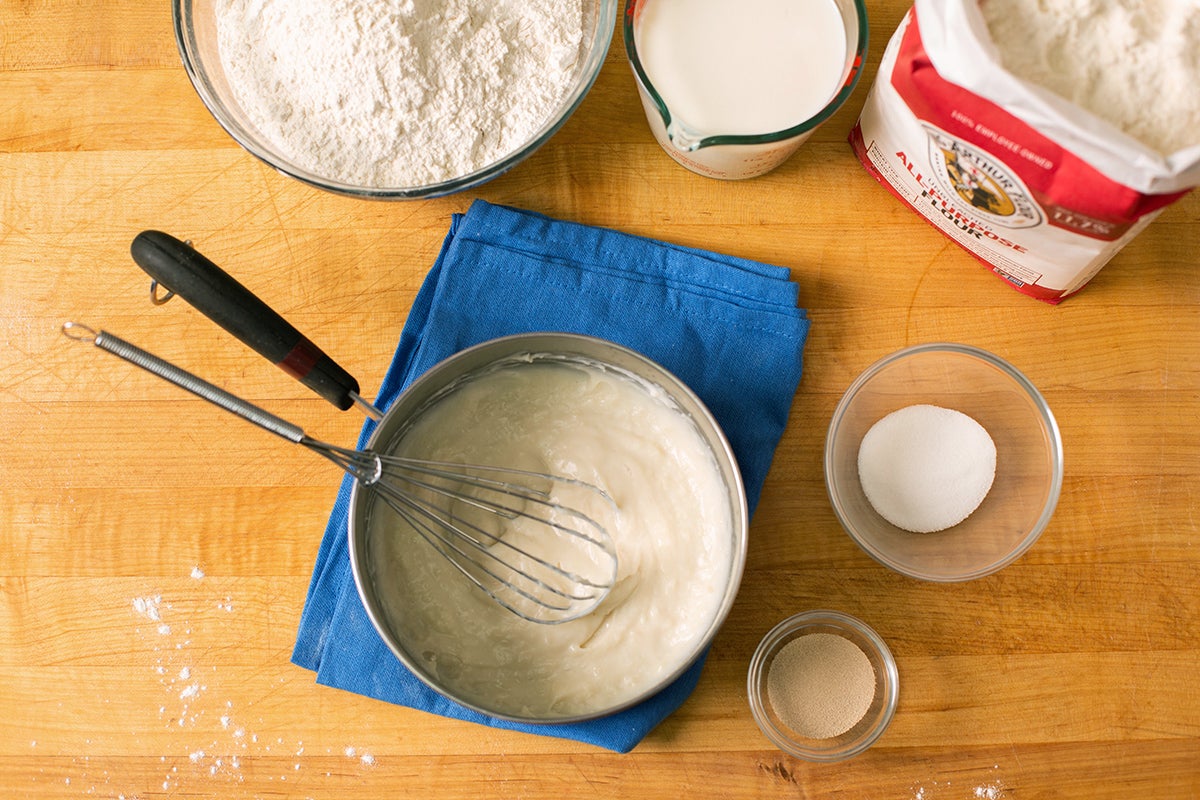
179	268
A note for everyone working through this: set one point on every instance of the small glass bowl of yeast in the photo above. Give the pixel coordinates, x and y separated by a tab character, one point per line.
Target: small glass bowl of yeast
823	686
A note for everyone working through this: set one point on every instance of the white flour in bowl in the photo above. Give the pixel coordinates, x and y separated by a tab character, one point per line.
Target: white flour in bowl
393	93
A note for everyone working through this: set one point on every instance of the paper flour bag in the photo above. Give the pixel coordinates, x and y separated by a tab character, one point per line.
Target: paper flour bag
1041	191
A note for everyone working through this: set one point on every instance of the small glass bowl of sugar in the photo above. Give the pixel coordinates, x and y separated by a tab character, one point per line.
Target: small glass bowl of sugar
823	686
943	462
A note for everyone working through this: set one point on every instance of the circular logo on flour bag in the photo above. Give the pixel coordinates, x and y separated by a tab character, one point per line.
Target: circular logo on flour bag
983	185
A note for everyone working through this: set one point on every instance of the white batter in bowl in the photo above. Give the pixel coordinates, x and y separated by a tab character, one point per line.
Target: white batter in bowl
679	530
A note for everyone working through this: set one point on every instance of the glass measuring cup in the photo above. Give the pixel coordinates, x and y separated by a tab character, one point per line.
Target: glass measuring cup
724	154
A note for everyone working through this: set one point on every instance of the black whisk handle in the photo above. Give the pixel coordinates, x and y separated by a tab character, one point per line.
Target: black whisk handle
182	270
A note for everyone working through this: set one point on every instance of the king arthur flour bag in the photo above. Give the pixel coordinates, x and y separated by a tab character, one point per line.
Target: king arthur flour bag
1040	190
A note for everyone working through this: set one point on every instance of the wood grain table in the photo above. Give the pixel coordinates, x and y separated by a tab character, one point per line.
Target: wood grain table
154	556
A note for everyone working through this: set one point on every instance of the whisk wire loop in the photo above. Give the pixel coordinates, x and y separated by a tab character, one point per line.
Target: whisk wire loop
483	540
437	534
515	576
363	465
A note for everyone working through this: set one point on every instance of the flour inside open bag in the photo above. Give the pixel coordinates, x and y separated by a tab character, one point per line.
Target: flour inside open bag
729	328
1041	190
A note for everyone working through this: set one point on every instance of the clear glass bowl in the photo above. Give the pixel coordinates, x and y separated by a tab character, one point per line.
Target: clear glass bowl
196	35
1029	460
868	729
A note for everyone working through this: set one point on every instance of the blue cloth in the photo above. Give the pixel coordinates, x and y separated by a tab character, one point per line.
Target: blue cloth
728	327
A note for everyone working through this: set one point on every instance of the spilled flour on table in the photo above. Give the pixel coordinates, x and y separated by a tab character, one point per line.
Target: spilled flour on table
947	790
989	792
148	606
215	738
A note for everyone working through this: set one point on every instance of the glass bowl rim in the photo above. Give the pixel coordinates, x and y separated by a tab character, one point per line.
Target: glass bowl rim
1045	415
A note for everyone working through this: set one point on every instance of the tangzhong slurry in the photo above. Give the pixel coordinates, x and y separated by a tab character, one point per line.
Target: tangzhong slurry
1040	135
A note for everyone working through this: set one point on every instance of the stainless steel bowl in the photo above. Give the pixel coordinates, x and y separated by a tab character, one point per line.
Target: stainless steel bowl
196	35
581	348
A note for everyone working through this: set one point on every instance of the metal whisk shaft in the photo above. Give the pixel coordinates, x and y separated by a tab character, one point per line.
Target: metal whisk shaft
541	559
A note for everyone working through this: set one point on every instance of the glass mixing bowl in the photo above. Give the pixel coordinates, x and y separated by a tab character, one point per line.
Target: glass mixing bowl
1029	460
196	35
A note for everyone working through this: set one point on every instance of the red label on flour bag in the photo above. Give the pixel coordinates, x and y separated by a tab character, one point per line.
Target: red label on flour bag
1020	197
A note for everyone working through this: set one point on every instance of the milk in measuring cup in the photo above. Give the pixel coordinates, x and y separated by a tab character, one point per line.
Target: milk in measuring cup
749	69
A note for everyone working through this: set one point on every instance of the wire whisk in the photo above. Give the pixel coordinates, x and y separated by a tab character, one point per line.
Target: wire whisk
502	529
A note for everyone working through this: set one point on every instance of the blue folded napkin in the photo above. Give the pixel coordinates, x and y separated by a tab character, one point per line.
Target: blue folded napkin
728	327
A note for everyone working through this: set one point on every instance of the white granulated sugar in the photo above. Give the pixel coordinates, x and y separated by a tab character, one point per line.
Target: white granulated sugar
925	468
1133	63
393	93
197	573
